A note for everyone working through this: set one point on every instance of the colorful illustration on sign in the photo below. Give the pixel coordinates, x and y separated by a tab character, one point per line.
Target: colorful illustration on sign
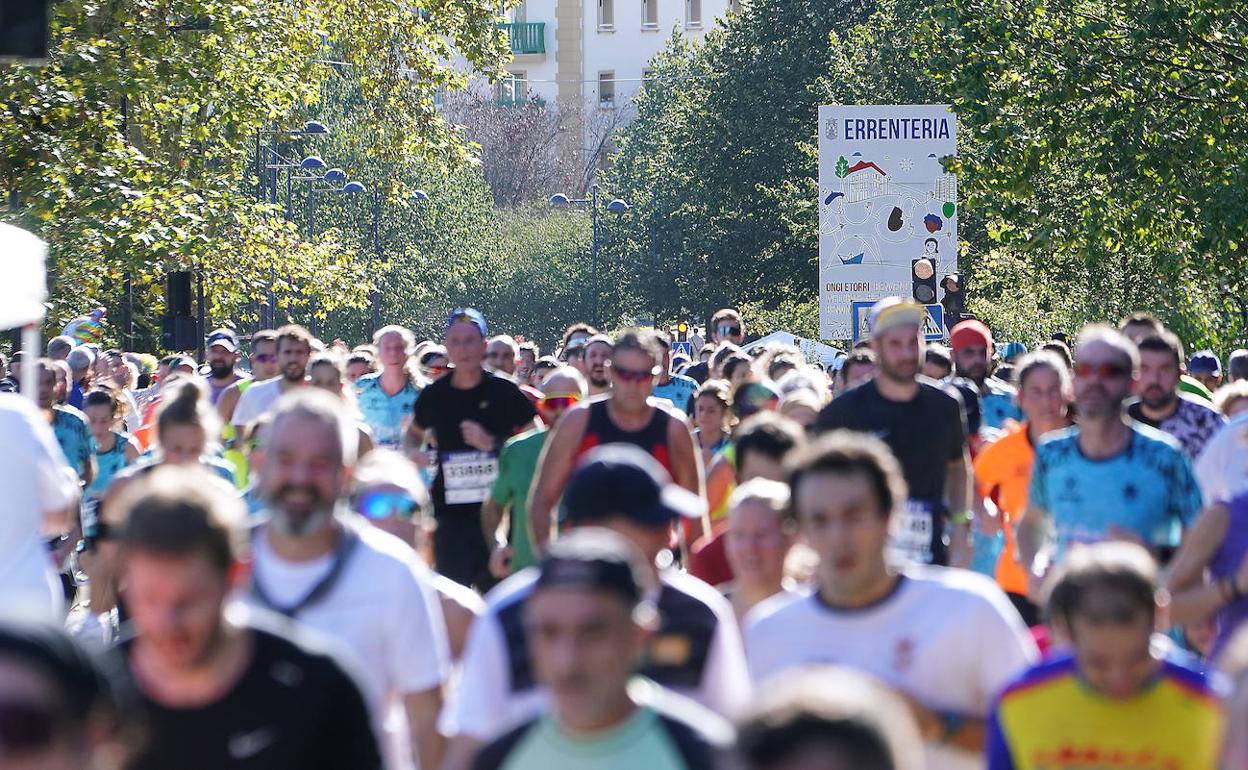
883	193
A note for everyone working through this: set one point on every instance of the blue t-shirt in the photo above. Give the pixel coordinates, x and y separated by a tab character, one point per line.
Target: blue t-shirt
997	404
678	391
70	427
1148	488
384	414
107	464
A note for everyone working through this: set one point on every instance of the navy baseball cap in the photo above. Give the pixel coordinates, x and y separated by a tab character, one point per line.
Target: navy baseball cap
472	316
624	480
1205	362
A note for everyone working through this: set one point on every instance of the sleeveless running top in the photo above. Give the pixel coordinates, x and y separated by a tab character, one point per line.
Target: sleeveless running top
108	464
601	430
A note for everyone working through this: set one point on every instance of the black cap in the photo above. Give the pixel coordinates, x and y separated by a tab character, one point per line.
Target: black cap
624	480
54	654
594	558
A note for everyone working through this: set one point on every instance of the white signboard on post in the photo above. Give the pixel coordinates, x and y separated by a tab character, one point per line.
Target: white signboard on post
884	201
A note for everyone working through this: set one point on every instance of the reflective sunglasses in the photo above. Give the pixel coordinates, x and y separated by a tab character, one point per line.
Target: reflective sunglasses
1102	371
27	727
265	358
635	375
383	504
729	331
436	371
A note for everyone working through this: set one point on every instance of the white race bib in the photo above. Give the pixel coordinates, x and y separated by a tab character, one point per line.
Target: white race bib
467	477
910	534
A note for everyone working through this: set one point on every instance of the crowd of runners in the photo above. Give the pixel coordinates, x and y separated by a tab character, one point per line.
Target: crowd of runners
628	552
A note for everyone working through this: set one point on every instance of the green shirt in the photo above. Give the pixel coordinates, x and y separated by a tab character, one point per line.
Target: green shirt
641	742
517	464
1195	387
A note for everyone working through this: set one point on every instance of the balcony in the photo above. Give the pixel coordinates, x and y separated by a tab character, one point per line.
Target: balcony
526	37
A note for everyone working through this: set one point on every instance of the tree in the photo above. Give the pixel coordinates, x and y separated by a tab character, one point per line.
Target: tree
127	152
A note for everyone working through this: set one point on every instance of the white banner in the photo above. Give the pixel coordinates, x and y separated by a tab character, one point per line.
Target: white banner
884	200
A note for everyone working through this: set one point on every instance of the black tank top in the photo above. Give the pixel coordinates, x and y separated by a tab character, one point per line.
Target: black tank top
602	430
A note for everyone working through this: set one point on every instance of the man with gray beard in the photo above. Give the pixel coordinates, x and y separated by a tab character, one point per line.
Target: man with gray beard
325	568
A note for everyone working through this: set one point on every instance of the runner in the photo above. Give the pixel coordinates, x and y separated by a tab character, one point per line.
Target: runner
696	650
500	355
263	367
1003	468
59	714
186	434
114	450
68	424
325	372
40	496
1237	366
504	516
472	413
973	348
858	367
1208	579
1222	468
222	359
387	399
628	415
294	349
677	389
1137	326
588	620
215	689
712	419
433	363
759	538
828	718
81	361
1191	420
922	425
597	356
360	363
1205	368
1116	702
388	491
947	640
1108	477
323	568
725	329
527	358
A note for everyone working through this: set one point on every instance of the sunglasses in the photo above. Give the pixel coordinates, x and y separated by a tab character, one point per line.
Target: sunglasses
265	358
729	331
559	401
634	375
384	504
1102	371
94	533
437	369
27	728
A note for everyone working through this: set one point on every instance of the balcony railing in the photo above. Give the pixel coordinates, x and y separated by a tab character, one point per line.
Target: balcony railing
526	37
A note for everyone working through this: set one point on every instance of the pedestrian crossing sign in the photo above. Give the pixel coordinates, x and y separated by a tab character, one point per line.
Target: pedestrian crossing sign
934	324
682	347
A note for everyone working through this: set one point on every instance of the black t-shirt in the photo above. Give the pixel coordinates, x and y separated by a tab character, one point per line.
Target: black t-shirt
700	372
292	708
499	406
925	434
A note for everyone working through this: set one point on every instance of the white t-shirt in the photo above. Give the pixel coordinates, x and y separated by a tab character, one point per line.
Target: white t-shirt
256	401
384	609
35	479
947	637
1222	468
497	692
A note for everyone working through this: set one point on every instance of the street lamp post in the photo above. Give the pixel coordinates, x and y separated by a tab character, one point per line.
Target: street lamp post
616	206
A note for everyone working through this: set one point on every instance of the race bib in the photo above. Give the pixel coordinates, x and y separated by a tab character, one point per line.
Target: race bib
467	477
910	534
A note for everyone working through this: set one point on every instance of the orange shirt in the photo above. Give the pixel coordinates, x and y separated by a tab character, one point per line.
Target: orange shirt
1002	474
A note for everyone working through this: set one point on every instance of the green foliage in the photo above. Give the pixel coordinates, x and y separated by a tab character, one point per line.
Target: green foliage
129	152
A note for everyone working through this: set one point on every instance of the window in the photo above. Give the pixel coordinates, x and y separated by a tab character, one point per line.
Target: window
606	90
646	75
606	14
512	89
693	13
649	14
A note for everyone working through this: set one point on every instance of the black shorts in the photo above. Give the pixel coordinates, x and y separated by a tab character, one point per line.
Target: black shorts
459	548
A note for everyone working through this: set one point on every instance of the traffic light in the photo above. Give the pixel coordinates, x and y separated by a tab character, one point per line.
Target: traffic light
682	331
954	301
923	280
